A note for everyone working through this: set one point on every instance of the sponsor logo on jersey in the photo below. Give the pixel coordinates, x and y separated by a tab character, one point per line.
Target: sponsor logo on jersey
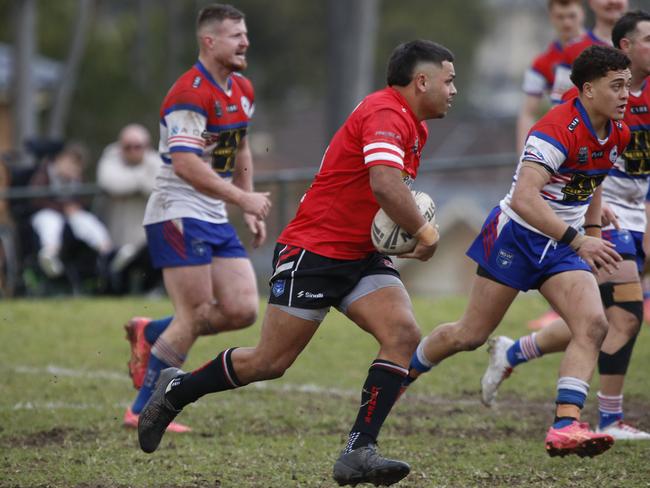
574	123
247	106
175	130
583	155
232	108
386	133
308	294
639	109
217	109
534	154
504	259
597	154
278	288
613	154
197	82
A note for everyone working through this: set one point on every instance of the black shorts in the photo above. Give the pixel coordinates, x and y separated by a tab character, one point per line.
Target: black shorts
302	279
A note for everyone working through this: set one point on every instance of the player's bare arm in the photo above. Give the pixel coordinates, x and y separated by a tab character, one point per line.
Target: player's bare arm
531	207
243	178
526	118
397	201
197	173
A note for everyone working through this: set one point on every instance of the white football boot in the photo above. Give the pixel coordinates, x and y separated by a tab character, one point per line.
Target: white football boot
621	431
498	368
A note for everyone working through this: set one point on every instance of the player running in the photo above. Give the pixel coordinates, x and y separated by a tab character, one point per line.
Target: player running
624	192
207	163
530	241
325	258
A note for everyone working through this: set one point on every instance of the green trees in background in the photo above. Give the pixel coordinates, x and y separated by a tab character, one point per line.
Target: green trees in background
134	50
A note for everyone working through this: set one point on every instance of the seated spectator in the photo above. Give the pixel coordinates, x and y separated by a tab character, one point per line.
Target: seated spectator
62	174
126	172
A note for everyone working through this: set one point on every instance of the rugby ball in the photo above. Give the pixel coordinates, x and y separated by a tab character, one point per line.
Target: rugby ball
390	238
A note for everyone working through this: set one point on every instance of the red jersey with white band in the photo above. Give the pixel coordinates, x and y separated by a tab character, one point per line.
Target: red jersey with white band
565	144
199	117
335	214
538	79
571	51
626	186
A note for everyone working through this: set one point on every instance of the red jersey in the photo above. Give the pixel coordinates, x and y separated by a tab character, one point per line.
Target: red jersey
336	212
571	51
538	79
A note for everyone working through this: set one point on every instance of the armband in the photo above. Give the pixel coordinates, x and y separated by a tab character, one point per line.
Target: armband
427	234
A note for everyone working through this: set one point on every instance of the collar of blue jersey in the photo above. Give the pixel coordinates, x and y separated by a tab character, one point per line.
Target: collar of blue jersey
209	77
585	118
595	38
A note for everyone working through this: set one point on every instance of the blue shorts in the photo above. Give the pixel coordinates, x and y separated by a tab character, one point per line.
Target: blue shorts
518	257
191	242
629	244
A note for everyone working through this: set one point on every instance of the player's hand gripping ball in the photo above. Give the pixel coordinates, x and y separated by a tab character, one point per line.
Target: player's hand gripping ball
390	238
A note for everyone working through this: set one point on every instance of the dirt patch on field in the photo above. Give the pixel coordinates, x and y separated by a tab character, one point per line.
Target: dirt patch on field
53	437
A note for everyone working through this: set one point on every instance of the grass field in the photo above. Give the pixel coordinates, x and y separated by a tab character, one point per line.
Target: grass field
64	388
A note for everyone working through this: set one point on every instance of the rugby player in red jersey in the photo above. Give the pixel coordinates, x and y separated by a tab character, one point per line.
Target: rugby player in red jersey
325	258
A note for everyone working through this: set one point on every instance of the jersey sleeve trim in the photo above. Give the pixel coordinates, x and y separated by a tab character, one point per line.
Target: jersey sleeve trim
555	143
384	156
178	149
383	145
185	106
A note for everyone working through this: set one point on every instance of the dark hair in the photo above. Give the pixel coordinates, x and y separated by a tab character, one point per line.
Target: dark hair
217	12
562	3
627	24
595	62
406	56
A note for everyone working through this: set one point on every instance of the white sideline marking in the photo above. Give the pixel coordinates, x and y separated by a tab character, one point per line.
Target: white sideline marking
308	388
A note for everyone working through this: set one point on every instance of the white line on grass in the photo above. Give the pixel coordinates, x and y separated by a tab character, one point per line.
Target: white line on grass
309	388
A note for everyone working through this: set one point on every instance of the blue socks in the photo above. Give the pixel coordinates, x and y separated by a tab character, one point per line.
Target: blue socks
524	349
163	355
571	391
156	327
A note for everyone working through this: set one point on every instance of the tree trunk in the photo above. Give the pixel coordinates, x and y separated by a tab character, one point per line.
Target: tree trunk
175	41
68	82
352	34
24	110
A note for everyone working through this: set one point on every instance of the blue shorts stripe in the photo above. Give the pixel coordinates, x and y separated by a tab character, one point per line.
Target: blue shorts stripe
191	242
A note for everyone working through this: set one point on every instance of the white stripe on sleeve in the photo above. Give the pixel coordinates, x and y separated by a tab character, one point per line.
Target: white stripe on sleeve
383	145
384	156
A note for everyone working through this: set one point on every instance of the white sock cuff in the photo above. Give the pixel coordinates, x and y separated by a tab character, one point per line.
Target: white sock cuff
419	352
610	403
571	383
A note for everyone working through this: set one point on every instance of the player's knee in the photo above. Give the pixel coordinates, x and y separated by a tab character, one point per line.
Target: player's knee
240	314
597	327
